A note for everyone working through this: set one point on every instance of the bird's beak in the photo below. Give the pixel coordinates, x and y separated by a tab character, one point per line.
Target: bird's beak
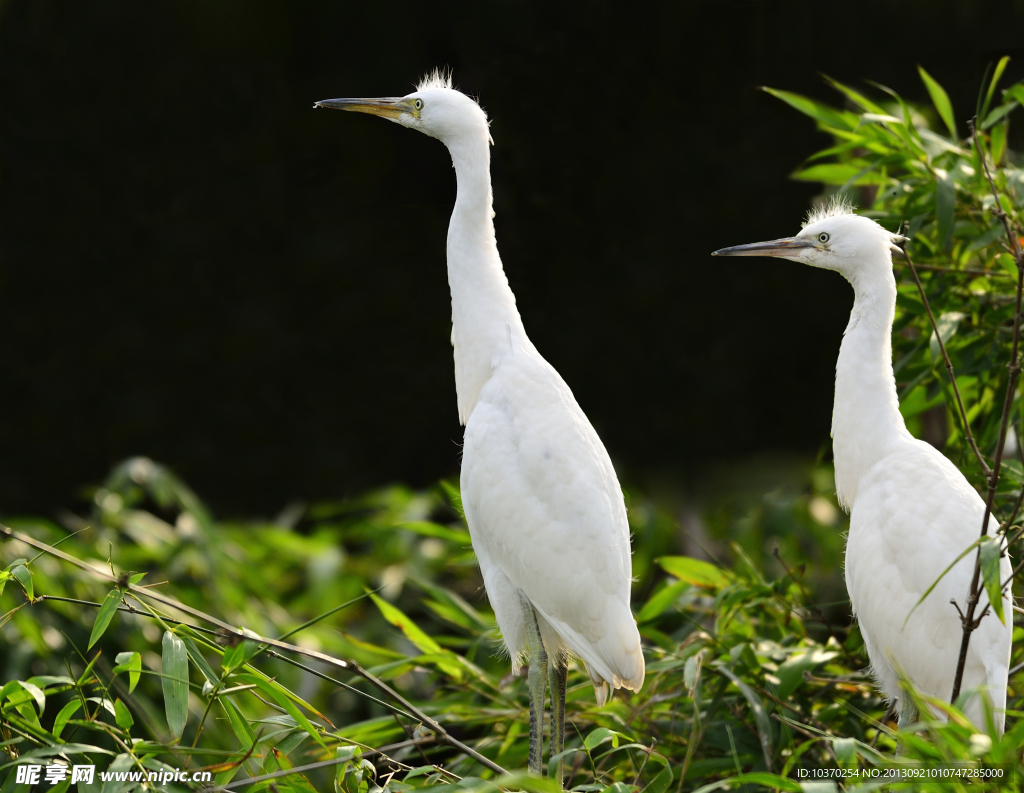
787	246
387	107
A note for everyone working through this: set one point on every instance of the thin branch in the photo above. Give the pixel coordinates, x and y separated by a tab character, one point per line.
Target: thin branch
350	666
949	368
969	622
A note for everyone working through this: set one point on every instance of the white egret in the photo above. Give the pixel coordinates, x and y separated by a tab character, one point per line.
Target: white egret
542	501
911	510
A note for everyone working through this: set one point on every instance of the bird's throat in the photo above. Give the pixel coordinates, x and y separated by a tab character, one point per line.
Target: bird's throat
866	420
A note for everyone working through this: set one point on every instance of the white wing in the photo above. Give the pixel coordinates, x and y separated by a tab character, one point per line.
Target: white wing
547	518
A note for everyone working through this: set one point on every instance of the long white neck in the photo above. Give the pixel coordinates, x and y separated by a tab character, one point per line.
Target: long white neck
485	322
866	419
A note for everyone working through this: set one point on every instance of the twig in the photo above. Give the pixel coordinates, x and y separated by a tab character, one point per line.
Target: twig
969	622
949	368
350	666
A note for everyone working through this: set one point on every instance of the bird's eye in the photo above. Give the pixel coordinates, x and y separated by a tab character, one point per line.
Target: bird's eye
418	104
823	237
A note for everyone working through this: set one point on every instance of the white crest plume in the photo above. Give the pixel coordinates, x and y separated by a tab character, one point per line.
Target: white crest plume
836	204
437	78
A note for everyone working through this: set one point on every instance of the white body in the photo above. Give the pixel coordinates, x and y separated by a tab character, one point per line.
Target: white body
911	514
543	504
911	510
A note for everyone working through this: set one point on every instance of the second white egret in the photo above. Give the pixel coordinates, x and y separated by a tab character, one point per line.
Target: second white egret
911	510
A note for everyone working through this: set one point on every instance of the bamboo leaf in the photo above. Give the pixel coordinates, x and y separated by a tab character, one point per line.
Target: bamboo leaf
412	631
276	691
66	713
945	206
122	716
991	552
819	112
174	667
132	664
104	616
24	577
941	101
996	75
695	571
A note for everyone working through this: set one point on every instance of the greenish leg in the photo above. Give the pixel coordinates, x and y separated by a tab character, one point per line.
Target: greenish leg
537	682
558	671
908	715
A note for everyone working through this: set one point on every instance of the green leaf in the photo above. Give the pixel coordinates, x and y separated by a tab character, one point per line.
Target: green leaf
1015	92
277	692
66	713
24	577
104	615
132	664
998	114
996	75
1009	265
695	571
662	600
122	716
991	552
941	101
791	672
174	668
998	143
945	207
839	173
599	736
764	727
947	325
661	782
411	630
30	691
428	529
826	115
239	726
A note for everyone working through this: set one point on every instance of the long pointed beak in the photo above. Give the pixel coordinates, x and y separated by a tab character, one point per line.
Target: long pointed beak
787	246
388	107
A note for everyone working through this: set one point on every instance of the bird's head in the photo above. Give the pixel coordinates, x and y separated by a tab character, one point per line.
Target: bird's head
434	108
833	238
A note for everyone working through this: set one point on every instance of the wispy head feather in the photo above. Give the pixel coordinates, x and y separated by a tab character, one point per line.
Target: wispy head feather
837	204
438	78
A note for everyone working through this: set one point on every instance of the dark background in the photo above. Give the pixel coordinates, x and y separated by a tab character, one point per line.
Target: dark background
196	266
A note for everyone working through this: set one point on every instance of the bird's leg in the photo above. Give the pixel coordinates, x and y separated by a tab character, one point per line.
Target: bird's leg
908	715
558	671
537	682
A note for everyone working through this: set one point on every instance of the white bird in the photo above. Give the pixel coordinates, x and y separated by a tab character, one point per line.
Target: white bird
544	507
911	510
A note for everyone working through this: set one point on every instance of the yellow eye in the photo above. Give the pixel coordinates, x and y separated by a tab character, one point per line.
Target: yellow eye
418	104
823	238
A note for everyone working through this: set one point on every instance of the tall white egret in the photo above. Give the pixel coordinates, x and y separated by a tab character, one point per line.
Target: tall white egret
911	510
543	504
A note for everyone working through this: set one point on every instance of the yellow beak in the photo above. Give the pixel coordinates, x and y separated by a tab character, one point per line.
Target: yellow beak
386	107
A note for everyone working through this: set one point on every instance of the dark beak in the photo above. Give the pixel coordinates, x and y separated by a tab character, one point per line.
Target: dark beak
787	246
